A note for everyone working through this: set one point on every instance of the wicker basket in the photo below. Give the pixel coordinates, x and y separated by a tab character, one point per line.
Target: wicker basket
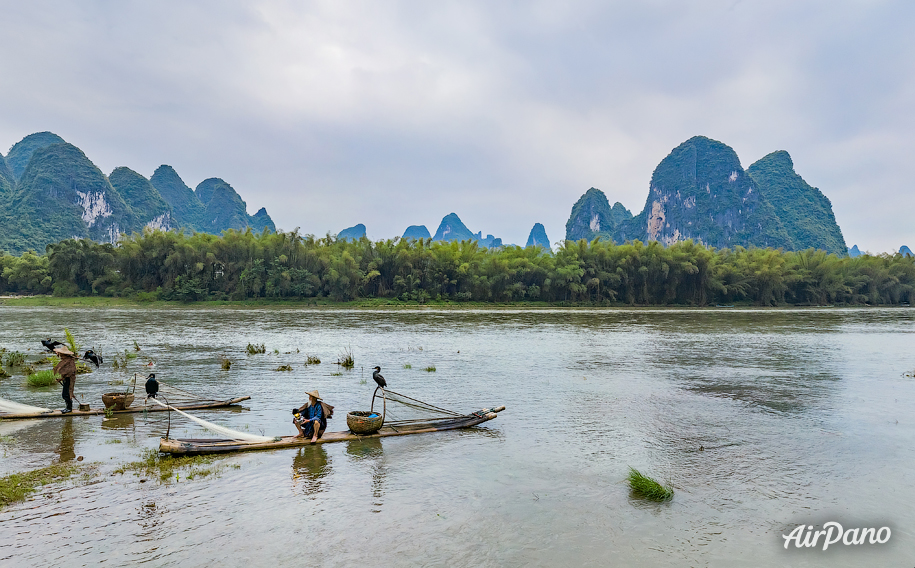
118	400
360	423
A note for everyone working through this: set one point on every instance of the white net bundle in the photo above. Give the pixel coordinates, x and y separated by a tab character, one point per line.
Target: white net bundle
10	407
227	432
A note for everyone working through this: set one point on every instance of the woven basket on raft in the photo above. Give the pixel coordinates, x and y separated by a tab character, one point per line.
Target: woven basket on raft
118	400
360	423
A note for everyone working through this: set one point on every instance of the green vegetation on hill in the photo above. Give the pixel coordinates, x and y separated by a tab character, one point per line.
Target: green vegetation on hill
61	195
21	152
247	265
701	192
50	191
187	210
803	210
147	204
7	183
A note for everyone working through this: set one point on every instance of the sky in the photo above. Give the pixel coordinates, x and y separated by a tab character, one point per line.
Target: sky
394	113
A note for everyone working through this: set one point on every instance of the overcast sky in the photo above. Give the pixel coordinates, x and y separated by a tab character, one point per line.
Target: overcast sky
397	113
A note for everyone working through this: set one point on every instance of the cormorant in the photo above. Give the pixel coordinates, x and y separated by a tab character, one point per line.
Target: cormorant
152	386
378	378
91	356
50	345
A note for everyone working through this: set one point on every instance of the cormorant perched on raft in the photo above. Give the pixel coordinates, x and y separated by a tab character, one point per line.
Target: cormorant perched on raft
91	356
50	345
152	386
378	378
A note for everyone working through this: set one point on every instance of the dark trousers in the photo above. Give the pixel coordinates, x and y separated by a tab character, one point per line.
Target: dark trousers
66	392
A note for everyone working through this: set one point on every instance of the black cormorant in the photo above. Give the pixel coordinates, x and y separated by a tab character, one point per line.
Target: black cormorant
378	378
91	356
50	345
152	386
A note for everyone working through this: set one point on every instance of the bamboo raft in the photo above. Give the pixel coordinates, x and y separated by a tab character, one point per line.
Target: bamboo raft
213	446
96	412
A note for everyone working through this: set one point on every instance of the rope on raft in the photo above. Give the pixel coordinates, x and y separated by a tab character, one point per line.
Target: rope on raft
10	407
227	432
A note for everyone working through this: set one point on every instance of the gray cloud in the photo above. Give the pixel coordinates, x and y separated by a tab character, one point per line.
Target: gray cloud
397	113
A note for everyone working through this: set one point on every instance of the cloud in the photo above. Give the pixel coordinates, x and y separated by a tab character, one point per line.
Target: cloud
392	114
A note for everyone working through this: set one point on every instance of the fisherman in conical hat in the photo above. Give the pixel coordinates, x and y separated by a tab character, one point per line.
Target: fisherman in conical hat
66	368
311	418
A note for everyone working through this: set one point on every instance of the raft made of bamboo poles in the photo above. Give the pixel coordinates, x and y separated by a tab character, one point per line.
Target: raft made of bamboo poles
214	446
97	411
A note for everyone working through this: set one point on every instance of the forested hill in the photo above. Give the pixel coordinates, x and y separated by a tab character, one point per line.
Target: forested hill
701	192
50	190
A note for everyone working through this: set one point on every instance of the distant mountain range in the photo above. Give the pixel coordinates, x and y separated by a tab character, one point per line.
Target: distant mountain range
51	191
701	192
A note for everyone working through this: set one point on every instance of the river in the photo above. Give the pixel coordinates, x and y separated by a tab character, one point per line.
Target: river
761	419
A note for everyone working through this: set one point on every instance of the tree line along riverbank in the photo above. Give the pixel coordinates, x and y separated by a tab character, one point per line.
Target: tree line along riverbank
243	265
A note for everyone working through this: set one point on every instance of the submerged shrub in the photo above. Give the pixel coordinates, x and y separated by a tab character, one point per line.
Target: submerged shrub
253	349
646	487
43	378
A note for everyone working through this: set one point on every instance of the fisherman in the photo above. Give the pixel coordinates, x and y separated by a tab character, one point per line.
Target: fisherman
66	368
311	418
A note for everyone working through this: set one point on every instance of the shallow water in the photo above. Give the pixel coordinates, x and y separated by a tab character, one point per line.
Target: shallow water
805	416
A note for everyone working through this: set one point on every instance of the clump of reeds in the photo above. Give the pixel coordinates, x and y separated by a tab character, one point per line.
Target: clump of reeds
408	366
225	363
430	369
28	370
43	378
312	360
284	368
136	346
345	359
82	368
71	341
15	359
253	349
3	373
649	488
336	374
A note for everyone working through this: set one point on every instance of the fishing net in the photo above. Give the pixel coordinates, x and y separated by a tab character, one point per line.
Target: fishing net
404	413
10	407
227	432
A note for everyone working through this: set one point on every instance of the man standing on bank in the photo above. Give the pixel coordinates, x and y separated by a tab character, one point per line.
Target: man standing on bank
66	368
311	418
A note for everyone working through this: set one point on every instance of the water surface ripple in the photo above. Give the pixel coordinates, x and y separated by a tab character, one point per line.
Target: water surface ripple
761	419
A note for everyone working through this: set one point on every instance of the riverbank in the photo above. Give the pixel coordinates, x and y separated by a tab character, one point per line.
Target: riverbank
381	303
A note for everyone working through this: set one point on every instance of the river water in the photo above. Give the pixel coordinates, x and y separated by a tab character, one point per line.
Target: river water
761	419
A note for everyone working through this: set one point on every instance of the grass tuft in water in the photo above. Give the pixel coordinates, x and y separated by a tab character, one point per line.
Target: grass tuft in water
43	378
284	368
430	369
226	364
3	373
336	374
18	486
408	366
253	349
345	359
649	488
15	359
312	360
166	467
71	341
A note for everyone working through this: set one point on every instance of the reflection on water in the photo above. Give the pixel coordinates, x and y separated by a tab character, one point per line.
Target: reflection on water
761	419
65	450
310	467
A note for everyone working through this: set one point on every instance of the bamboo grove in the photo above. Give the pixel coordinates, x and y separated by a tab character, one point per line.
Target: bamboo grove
159	265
